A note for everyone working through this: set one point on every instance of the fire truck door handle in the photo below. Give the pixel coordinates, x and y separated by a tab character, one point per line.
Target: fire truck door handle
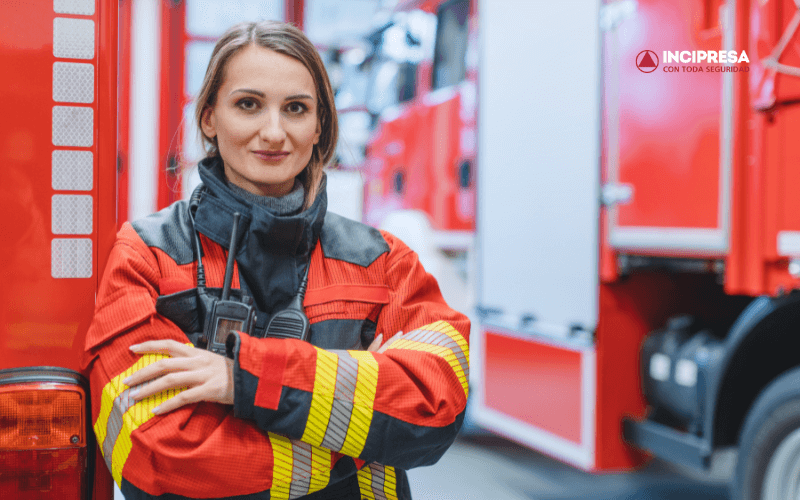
486	312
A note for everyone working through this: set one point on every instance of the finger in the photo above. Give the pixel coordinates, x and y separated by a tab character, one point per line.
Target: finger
189	396
376	343
397	336
165	383
159	368
167	346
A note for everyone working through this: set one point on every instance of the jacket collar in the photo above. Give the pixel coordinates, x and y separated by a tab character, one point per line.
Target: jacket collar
282	234
270	246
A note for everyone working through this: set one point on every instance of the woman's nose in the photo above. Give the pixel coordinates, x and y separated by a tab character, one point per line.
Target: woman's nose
272	130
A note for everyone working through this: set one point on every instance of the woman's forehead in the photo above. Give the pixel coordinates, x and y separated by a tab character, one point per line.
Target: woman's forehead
266	71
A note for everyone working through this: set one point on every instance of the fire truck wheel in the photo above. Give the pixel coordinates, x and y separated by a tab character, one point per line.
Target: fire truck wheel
769	447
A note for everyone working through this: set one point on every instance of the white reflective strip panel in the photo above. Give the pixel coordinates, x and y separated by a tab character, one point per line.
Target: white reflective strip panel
73	38
659	367
789	243
79	7
72	214
73	82
73	170
73	126
686	373
71	258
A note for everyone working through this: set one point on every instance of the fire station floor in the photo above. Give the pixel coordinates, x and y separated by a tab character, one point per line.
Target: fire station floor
489	468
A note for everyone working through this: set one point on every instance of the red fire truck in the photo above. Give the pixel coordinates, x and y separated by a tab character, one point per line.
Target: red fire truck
637	240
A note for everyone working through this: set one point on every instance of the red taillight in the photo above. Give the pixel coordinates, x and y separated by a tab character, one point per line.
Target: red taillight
43	451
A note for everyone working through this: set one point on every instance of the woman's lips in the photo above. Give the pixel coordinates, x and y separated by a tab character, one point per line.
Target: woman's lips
271	155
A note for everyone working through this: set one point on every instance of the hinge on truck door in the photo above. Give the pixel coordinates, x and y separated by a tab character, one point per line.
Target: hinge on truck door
616	194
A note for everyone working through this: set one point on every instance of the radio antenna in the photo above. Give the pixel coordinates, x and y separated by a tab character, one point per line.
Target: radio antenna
226	284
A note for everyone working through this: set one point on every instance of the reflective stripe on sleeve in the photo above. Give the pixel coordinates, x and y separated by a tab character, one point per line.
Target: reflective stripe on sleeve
298	468
119	416
443	340
341	406
377	482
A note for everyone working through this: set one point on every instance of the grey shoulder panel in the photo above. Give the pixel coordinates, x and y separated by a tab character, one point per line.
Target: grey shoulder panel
351	241
170	231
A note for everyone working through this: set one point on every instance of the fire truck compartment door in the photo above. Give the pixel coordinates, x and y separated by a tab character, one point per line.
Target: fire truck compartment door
538	168
668	128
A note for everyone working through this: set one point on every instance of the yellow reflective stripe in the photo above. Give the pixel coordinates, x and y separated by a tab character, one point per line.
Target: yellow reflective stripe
363	401
106	403
131	419
281	467
390	484
443	352
447	329
322	398
136	415
365	483
320	469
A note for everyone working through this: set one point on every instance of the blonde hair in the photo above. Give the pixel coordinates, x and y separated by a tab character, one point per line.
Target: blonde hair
288	40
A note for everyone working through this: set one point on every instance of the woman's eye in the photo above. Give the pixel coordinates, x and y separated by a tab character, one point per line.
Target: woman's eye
247	104
296	108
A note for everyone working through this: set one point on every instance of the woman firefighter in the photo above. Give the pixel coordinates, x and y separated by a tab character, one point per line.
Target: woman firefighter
192	399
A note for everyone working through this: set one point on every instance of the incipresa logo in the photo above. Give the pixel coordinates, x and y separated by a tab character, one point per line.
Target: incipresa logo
693	61
647	61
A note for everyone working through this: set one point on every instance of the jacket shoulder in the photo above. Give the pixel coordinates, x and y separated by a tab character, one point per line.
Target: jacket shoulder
350	241
168	230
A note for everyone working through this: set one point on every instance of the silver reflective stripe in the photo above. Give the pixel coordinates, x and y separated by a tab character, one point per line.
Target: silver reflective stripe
342	408
72	170
79	7
73	126
71	258
442	340
73	82
301	469
73	38
378	480
72	214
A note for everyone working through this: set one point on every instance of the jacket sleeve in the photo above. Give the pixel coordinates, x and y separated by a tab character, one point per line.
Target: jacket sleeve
200	450
401	408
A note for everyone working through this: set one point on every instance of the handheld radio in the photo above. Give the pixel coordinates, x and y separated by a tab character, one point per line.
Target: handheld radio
225	316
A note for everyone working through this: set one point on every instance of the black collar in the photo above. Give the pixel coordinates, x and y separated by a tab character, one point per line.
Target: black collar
273	250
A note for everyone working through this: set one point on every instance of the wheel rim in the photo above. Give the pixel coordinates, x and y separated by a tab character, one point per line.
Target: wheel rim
782	478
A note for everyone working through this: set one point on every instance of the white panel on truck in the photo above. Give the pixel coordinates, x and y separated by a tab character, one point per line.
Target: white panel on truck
538	163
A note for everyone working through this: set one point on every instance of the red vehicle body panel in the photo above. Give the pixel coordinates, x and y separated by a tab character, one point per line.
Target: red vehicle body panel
43	318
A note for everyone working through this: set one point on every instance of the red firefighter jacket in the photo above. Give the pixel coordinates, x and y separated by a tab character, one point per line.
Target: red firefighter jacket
321	419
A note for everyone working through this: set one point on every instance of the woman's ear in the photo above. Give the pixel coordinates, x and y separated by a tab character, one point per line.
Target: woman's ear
317	133
208	122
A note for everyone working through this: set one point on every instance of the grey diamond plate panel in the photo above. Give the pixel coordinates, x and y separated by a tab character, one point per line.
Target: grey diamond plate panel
73	38
73	82
80	7
73	126
72	214
71	258
73	170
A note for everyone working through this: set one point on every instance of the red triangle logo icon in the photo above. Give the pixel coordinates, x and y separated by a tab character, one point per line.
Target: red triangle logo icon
647	61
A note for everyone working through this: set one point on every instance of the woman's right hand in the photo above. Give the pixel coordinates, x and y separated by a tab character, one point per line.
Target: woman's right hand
376	346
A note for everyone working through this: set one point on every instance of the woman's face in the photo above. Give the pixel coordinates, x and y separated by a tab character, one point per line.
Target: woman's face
265	120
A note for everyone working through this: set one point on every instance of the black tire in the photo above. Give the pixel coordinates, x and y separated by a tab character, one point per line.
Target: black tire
773	421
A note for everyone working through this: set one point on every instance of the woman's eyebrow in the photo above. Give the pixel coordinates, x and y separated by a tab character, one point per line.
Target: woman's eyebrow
249	91
299	96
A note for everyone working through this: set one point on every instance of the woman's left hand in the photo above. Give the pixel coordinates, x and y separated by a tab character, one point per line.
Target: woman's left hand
205	375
